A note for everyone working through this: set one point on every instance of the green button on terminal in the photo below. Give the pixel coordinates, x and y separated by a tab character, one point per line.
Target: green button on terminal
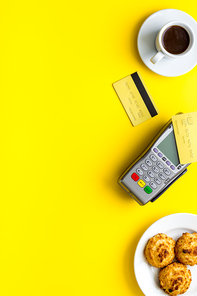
148	190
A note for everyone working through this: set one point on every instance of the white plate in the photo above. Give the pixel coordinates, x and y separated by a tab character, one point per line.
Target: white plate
147	275
146	43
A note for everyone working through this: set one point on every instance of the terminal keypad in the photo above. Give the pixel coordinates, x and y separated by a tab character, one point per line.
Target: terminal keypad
151	173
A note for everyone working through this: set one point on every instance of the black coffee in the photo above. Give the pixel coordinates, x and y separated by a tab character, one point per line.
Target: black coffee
175	39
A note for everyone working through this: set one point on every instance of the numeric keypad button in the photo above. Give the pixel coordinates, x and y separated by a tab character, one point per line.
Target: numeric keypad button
144	167
160	164
155	169
153	185
139	171
166	171
148	162
162	176
153	157
150	173
157	180
146	178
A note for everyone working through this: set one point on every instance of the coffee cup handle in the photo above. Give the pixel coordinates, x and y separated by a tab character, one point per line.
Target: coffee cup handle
157	57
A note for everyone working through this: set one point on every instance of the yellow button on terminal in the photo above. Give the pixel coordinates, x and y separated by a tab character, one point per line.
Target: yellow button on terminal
141	183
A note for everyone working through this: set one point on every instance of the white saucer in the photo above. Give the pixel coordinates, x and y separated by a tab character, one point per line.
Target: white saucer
147	275
146	43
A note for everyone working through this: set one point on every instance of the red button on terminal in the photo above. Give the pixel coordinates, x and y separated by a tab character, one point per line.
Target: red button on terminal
135	177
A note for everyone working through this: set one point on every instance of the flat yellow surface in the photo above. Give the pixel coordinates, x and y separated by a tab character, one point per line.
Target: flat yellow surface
66	226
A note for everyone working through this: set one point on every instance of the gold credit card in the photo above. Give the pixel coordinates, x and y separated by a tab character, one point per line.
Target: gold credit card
185	127
135	98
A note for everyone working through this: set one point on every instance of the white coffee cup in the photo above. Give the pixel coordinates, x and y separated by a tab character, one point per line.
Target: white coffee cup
160	46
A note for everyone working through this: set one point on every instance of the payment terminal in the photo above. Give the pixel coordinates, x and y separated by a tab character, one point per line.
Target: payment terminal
155	170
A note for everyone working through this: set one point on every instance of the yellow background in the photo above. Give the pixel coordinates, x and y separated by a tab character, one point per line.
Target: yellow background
66	226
